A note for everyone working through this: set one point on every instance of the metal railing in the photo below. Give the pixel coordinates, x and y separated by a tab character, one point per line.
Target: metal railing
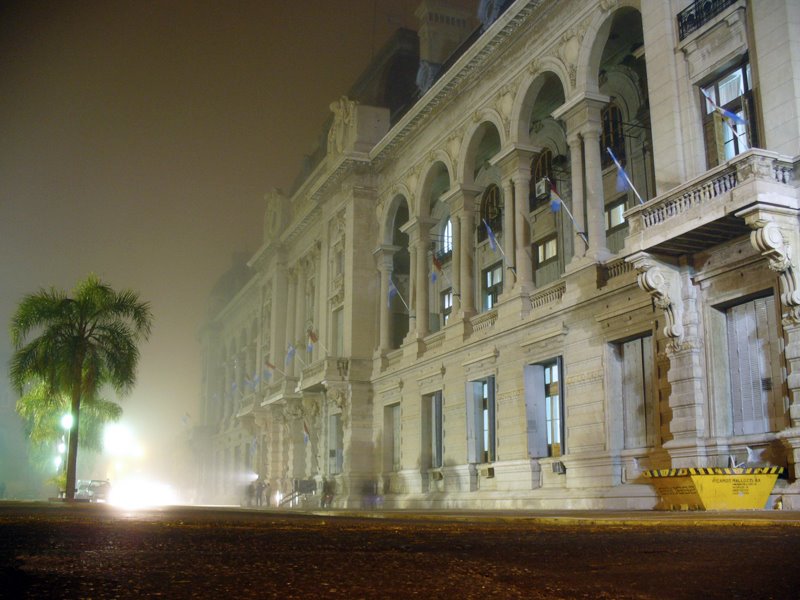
698	13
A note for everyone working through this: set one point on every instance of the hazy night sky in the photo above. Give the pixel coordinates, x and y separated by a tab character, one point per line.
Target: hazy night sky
137	140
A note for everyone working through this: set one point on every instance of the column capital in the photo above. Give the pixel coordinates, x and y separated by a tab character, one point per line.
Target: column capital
514	158
416	226
461	196
581	109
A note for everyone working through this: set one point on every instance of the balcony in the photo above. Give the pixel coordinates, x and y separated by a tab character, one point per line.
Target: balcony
701	213
698	13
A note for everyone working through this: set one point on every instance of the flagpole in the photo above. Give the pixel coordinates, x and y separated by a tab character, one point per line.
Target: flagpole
622	172
571	218
495	244
399	295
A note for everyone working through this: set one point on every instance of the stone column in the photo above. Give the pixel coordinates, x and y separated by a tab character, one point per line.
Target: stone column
278	334
522	235
576	172
509	209
582	117
290	324
595	202
456	270
467	251
383	257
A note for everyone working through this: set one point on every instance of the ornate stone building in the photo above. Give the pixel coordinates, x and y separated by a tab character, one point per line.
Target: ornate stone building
459	306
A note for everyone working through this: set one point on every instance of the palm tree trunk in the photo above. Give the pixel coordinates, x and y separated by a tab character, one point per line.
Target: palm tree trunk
72	453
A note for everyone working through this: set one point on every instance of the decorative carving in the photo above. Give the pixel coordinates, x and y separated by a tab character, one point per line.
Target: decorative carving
343	116
663	284
767	239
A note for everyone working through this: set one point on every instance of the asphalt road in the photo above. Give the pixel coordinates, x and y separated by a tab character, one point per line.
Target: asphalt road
97	551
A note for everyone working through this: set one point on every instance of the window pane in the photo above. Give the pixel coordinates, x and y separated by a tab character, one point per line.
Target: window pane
731	87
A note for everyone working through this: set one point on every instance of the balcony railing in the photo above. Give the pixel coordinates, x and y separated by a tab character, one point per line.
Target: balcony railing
698	14
700	211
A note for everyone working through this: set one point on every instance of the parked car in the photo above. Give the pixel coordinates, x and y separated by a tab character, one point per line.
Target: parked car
94	490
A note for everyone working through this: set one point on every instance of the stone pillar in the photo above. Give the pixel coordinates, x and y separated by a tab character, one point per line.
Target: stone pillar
300	338
467	255
522	235
672	291
582	117
278	334
509	209
595	201
456	270
383	257
290	324
576	172
418	231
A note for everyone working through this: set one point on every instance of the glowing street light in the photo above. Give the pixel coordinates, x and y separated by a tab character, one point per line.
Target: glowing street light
67	421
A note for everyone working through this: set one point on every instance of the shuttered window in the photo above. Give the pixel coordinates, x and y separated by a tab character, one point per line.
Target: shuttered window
754	361
335	444
481	435
638	406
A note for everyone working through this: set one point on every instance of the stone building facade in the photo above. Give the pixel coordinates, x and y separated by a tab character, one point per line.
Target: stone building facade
458	305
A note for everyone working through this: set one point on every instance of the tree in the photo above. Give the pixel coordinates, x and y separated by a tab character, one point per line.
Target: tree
41	413
76	345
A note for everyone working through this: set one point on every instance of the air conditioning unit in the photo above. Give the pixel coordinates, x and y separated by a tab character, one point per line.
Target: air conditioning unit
558	467
437	475
487	472
542	189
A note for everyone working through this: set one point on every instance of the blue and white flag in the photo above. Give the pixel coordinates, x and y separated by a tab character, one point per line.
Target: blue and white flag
290	352
624	182
492	239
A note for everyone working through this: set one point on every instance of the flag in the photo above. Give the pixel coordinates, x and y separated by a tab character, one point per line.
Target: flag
555	200
312	335
290	353
490	233
266	375
306	434
249	382
624	182
186	418
393	291
729	117
437	268
309	347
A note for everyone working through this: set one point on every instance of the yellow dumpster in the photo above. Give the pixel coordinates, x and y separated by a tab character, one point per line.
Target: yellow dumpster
714	488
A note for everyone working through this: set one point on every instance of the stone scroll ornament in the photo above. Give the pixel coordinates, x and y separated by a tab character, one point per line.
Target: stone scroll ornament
767	239
663	284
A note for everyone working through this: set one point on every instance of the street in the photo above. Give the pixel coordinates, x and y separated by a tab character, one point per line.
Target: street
98	551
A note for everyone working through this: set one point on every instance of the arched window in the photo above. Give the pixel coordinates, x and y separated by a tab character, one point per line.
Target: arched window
491	212
541	167
612	136
447	238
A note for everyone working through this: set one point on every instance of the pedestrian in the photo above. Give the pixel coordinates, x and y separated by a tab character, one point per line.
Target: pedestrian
267	494
251	492
260	491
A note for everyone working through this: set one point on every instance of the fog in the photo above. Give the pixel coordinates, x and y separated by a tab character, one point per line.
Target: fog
138	141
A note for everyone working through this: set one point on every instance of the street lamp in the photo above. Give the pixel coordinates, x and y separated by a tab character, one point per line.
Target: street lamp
67	421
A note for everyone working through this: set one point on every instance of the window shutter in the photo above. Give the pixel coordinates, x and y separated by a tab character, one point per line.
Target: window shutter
535	411
712	136
473	396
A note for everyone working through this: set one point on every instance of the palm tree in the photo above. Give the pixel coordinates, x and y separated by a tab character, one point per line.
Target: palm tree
78	345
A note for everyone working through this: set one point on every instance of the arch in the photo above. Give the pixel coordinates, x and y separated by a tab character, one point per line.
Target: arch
400	195
596	40
486	138
529	93
437	180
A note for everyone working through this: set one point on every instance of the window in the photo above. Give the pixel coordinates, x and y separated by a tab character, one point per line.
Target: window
546	250
338	332
492	285
541	167
612	136
491	212
544	409
754	364
447	240
432	431
446	305
335	444
481	436
632	363
615	217
391	437
727	137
